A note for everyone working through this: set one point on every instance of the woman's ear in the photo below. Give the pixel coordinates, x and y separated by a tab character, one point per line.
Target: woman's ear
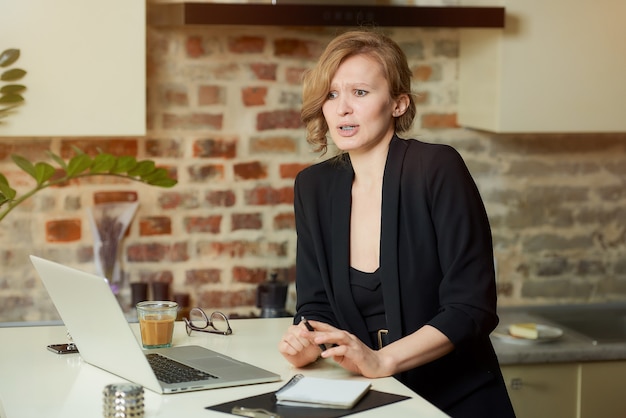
402	104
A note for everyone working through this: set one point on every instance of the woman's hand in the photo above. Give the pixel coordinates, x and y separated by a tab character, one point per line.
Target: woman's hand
297	346
421	347
349	352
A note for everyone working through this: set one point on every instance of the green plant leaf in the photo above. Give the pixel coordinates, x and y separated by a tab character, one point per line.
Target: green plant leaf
24	164
5	190
57	159
157	174
9	56
78	164
142	168
166	182
12	88
12	75
124	164
6	111
103	163
11	98
159	177
43	172
77	150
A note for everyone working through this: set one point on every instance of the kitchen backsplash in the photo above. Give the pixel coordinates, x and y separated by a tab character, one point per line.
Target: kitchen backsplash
223	114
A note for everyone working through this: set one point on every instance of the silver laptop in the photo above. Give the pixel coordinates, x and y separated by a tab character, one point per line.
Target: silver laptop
104	338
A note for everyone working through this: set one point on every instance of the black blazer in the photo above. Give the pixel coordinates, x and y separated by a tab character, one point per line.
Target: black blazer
436	261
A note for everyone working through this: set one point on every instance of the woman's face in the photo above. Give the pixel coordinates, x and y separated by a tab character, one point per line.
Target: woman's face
359	110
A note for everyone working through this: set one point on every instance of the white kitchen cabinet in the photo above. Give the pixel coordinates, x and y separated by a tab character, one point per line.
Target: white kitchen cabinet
558	66
85	63
543	390
603	390
567	390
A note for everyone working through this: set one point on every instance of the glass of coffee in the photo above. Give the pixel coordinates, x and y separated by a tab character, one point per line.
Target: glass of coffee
156	322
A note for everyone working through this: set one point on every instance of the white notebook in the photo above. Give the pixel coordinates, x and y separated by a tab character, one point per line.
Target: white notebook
321	392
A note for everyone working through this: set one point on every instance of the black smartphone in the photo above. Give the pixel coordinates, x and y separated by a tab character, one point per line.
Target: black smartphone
63	348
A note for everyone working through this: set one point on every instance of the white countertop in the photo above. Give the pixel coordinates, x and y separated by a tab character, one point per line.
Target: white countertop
35	382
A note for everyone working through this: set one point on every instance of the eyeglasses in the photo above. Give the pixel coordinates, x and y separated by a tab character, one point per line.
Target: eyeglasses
199	321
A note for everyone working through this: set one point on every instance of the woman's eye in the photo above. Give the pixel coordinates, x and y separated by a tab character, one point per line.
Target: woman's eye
332	95
360	92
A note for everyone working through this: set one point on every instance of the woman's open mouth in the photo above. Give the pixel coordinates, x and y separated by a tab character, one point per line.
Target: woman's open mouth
348	130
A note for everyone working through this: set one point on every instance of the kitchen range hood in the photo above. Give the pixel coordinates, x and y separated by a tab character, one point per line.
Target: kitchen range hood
323	13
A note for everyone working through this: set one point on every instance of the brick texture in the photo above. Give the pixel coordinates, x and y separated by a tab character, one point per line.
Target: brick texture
67	230
254	96
155	225
114	196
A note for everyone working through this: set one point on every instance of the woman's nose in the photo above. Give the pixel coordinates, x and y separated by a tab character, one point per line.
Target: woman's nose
343	106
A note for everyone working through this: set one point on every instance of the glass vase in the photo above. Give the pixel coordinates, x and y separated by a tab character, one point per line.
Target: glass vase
109	222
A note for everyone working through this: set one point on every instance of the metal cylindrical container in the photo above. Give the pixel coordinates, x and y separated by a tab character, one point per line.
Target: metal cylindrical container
123	400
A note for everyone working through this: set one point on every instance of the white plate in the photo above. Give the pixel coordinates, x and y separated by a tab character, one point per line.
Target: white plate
546	334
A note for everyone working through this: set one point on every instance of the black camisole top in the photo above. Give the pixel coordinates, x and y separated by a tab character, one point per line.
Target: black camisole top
367	293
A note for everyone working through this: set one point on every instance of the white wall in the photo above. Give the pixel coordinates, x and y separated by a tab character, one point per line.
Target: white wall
86	66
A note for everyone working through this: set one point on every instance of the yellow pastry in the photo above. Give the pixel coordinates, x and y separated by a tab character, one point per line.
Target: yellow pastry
526	330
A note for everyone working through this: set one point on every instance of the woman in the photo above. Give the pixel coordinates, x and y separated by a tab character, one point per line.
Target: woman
394	263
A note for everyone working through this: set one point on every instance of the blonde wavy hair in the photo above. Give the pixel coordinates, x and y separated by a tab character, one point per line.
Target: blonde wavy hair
316	81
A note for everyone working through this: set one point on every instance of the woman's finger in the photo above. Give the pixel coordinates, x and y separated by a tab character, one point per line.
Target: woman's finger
321	326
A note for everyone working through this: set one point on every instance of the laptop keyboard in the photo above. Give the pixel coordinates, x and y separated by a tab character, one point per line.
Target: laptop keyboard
171	371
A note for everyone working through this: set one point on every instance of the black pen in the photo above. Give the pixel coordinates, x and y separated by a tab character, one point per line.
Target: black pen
310	328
